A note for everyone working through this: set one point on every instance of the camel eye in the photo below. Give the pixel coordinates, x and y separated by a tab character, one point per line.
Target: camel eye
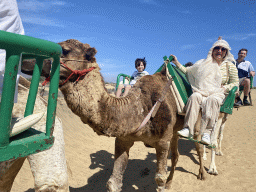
65	51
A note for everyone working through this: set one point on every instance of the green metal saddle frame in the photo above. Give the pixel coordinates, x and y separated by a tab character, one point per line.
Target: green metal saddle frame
185	89
30	141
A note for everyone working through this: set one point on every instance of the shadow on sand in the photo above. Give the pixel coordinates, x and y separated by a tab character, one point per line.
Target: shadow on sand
139	174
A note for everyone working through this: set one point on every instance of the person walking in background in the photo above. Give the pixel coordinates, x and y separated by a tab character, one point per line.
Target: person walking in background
245	71
140	65
10	21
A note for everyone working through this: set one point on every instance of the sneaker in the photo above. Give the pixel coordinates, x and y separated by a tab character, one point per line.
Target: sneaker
238	103
206	139
246	102
184	132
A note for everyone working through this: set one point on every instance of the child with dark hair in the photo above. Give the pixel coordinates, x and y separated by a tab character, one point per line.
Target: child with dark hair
140	65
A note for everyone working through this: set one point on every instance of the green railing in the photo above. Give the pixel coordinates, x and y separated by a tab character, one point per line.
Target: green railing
31	141
124	76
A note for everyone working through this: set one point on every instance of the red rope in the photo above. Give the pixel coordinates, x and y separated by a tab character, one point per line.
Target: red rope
76	72
46	81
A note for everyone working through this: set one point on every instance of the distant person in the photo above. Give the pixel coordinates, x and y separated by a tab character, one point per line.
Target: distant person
188	64
140	65
10	21
245	71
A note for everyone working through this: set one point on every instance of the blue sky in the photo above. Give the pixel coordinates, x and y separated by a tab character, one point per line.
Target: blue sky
123	30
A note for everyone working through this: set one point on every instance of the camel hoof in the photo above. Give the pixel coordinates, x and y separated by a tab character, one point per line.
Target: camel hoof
201	175
112	186
160	181
160	189
212	170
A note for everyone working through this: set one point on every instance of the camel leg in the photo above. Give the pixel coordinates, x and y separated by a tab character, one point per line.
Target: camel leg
214	137
219	152
199	148
8	172
162	151
175	157
122	149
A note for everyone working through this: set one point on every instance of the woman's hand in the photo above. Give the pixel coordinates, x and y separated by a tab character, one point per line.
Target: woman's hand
175	60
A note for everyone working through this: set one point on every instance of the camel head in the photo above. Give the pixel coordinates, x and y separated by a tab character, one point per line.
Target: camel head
76	56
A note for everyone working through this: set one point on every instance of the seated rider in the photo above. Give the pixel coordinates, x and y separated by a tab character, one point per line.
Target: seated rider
245	71
210	79
140	65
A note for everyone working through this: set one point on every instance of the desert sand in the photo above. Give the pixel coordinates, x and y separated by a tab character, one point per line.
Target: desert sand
90	159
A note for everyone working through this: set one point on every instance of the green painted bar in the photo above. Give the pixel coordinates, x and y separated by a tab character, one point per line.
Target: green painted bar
118	79
53	94
30	141
10	76
34	86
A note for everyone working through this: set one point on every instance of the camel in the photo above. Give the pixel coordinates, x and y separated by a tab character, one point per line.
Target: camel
49	167
86	96
217	139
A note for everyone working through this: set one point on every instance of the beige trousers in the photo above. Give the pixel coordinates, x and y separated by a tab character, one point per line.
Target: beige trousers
210	112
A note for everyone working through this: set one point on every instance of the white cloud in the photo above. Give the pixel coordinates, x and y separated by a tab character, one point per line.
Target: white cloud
149	1
240	37
189	46
35	5
236	37
41	21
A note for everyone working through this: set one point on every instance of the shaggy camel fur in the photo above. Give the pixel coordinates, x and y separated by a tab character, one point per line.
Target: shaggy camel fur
120	117
48	167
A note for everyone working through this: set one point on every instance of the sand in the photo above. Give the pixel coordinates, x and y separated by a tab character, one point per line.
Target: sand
90	159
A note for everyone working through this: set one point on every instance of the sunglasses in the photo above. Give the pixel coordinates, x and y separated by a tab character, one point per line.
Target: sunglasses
218	48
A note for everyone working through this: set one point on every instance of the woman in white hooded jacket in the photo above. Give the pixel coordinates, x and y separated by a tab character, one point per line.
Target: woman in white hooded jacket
210	79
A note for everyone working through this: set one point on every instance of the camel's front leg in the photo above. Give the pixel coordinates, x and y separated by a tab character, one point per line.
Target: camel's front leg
213	169
214	136
199	148
122	148
175	157
218	151
162	151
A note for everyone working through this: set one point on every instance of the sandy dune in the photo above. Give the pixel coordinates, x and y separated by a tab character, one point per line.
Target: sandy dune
90	159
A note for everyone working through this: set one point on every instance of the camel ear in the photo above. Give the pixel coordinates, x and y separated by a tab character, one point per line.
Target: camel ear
90	53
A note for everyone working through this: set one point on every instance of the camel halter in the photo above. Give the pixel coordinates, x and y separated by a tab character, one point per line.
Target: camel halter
74	72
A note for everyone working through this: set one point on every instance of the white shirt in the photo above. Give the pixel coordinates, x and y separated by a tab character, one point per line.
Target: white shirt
244	68
10	21
137	75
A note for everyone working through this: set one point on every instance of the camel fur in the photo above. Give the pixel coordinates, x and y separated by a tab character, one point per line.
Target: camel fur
120	117
49	167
